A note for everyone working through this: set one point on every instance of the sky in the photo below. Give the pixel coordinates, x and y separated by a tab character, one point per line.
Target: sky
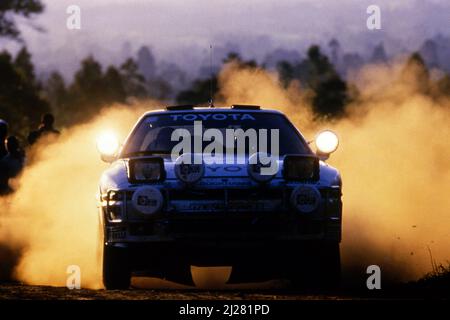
183	30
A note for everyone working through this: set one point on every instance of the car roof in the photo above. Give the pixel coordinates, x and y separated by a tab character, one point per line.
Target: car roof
211	110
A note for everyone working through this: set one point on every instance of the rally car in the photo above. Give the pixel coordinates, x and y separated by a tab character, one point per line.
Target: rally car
235	186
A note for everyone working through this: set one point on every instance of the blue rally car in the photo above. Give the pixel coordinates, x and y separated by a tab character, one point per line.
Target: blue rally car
190	186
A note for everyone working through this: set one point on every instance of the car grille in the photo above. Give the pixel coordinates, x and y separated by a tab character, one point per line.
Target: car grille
229	226
227	194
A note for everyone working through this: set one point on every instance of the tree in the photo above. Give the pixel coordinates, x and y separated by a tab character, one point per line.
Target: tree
146	63
319	75
20	102
330	97
379	54
415	74
87	91
286	73
25	65
134	81
200	92
88	80
429	52
56	93
236	58
330	90
335	51
114	88
11	8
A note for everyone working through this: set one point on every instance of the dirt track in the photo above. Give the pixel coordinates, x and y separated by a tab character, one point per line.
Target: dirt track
19	291
140	291
157	289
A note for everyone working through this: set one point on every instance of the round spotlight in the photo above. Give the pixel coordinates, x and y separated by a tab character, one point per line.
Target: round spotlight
107	143
189	168
262	172
305	198
147	200
327	141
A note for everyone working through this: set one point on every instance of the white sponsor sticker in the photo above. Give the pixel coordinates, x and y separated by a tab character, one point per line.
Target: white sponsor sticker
147	200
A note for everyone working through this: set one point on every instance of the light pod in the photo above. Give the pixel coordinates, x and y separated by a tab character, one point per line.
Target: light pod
305	198
261	172
189	168
147	200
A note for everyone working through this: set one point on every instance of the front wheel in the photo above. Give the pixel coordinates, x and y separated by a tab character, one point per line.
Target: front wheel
116	269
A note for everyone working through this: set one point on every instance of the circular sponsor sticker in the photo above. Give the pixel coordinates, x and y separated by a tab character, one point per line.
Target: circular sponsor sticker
189	168
305	198
147	200
261	172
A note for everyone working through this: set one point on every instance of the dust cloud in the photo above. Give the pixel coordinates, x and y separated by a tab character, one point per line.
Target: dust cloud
51	221
394	157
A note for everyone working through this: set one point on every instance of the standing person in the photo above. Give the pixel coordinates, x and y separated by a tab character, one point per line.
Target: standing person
3	135
11	164
46	128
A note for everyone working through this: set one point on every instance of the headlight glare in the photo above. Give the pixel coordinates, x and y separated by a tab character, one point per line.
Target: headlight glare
327	141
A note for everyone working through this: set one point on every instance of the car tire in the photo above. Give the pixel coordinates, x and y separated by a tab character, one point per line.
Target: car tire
319	269
330	268
116	269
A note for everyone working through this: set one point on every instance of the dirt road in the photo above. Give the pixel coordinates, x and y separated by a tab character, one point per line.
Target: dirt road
21	291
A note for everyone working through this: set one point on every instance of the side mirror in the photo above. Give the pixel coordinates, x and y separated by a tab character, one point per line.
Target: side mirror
326	142
108	146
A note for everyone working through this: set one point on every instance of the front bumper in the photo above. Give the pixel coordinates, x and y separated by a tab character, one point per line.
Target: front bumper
259	217
225	229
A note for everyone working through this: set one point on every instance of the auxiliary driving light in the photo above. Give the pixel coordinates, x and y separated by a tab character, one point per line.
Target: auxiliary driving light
262	172
305	198
146	170
189	168
301	167
107	143
327	141
147	200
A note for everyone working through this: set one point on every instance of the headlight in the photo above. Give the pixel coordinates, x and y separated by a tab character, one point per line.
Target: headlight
107	143
327	142
146	170
301	167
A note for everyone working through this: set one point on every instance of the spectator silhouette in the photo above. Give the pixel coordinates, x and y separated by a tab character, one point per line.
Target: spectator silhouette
11	164
46	128
3	135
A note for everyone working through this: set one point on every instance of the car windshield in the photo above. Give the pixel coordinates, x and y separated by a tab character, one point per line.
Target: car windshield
154	133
